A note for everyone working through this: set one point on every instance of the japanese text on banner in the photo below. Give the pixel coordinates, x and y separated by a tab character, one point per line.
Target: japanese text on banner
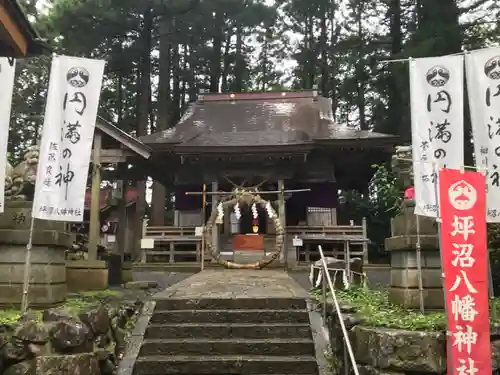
483	85
436	97
68	131
465	262
7	74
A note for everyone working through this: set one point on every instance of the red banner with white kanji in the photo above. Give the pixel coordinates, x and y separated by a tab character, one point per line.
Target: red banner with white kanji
462	197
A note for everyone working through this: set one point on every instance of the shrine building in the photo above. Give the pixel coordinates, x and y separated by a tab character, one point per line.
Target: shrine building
278	141
17	37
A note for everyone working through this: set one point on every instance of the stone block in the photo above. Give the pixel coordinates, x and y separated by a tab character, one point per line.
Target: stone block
248	256
409	278
410	298
17	215
85	275
81	364
409	242
127	272
405	224
370	370
47	275
51	238
408	259
399	350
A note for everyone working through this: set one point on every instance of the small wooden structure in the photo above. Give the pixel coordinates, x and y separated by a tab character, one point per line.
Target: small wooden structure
112	147
279	141
17	37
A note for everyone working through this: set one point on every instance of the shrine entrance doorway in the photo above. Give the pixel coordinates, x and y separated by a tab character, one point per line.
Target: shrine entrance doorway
247	222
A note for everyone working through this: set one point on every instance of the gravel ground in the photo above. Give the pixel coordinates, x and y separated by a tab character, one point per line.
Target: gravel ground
164	279
377	278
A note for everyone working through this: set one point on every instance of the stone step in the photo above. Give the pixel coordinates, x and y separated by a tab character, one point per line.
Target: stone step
221	330
231	303
230	316
264	365
205	347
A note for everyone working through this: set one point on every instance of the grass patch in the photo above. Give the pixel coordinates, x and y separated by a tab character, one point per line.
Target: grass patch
375	310
75	303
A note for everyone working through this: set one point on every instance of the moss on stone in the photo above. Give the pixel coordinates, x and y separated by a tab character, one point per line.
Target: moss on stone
75	303
375	310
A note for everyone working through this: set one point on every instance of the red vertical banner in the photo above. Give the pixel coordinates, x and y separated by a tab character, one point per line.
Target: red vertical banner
462	197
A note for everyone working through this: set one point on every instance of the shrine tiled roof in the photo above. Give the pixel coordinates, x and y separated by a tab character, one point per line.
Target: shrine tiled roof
19	37
258	119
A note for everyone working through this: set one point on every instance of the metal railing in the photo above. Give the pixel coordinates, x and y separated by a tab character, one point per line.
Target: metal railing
325	284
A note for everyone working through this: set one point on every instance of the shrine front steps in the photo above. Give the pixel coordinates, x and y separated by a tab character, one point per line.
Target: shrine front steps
228	336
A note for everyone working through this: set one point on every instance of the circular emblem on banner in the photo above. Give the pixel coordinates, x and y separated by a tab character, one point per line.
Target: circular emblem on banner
492	68
462	195
78	77
437	76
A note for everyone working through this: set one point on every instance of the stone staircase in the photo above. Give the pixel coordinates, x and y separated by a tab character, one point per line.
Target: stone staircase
228	336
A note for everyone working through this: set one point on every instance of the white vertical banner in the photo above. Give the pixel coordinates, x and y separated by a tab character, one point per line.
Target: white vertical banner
483	86
437	123
68	132
7	74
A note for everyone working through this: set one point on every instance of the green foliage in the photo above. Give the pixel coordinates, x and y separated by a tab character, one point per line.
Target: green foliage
75	304
382	203
375	310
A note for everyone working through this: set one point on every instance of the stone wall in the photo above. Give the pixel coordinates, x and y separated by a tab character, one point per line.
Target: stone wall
387	351
56	342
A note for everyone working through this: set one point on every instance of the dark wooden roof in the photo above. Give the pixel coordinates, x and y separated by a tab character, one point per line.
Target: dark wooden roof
17	37
227	122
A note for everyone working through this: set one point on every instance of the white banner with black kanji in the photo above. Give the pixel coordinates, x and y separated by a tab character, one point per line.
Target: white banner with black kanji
436	98
68	132
7	74
483	87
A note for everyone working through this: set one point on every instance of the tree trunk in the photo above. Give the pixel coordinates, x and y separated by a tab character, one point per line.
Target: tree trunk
215	72
325	68
163	122
239	68
395	108
143	117
360	70
226	63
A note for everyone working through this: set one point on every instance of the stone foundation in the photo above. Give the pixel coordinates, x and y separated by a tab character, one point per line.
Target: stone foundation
89	343
127	272
393	351
404	288
47	261
86	275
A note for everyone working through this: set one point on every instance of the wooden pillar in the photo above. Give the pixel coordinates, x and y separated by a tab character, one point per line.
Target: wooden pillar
121	238
95	208
365	242
282	215
215	202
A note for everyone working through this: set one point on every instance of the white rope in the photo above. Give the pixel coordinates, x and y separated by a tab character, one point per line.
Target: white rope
339	313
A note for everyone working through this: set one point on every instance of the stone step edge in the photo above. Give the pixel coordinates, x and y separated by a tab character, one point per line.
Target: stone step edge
229	340
219	358
231	311
229	325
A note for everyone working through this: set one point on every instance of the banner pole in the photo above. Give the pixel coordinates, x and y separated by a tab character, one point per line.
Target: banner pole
440	242
491	292
419	268
27	268
204	203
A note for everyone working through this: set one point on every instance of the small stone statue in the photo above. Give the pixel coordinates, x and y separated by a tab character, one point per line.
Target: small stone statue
20	180
402	166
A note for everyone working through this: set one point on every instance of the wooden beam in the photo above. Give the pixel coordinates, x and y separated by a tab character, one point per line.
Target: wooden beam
11	33
94	230
113	155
